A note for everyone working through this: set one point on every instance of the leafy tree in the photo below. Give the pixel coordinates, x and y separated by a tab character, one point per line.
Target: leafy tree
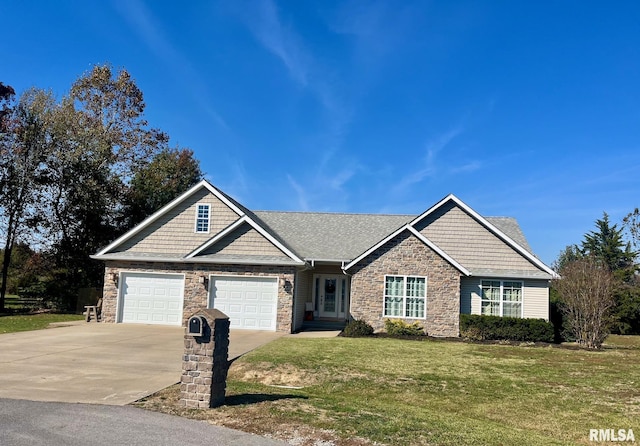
7	93
20	258
170	173
91	165
586	292
23	150
100	138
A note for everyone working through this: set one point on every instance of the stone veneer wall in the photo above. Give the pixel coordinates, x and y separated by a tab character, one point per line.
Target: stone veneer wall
196	296
406	255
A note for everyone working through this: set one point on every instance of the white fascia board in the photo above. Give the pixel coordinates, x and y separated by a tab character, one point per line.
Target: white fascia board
440	252
137	259
220	196
216	238
166	208
483	221
198	260
275	241
254	225
376	246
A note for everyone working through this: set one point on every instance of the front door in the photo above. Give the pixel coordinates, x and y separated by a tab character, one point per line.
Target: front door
331	295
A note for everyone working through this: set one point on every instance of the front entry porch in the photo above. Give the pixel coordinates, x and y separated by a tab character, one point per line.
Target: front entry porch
330	296
323	298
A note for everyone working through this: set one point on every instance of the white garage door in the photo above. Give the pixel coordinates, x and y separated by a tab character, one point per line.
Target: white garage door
250	302
151	298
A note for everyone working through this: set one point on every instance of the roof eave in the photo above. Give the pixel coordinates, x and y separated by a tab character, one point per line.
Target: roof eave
196	260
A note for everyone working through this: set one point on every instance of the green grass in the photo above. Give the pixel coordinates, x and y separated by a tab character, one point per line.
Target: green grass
622	341
27	322
445	393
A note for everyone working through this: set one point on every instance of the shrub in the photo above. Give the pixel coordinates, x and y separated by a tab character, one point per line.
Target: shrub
586	295
357	328
484	328
401	328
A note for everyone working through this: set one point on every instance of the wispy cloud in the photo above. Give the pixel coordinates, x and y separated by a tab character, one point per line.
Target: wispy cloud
471	166
303	201
306	71
429	166
377	28
148	28
280	40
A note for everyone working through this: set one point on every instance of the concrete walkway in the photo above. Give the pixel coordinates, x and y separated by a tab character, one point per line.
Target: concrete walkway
100	363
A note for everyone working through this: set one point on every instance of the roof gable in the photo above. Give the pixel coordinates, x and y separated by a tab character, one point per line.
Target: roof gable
420	237
476	242
245	237
170	230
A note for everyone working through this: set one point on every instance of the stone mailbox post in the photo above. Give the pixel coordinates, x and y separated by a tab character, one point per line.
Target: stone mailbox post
205	360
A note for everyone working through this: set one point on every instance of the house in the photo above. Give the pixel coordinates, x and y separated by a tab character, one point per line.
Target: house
272	270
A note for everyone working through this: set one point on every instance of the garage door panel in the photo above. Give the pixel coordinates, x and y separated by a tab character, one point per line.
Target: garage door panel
250	302
152	298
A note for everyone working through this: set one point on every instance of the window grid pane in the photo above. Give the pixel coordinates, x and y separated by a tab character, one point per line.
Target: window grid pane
394	286
415	307
512	299
491	290
393	306
405	297
202	219
490	308
501	298
415	287
511	309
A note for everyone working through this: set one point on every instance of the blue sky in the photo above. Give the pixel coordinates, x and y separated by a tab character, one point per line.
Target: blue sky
523	109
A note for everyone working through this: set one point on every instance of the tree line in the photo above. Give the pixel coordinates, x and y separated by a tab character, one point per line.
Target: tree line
598	291
75	173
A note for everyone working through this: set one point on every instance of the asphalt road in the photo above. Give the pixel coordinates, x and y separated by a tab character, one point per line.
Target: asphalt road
31	423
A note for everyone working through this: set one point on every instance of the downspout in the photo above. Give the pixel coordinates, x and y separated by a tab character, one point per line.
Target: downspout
348	309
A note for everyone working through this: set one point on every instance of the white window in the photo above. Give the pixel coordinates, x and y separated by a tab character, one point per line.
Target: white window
405	297
202	217
501	298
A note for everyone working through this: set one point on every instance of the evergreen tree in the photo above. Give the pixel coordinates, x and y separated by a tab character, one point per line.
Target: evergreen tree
606	244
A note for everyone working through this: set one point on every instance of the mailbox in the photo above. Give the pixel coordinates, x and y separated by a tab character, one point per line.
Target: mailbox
195	326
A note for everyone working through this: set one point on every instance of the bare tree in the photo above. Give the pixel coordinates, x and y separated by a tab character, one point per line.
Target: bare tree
586	291
631	222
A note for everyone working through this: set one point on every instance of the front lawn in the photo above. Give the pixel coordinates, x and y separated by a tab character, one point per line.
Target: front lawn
27	322
361	391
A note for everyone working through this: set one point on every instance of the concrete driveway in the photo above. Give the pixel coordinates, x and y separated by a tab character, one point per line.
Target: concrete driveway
100	363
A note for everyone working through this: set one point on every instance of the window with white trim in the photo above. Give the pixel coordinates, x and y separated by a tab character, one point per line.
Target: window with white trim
405	297
203	212
501	298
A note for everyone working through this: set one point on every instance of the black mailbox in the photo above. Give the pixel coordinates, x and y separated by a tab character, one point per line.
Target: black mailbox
195	326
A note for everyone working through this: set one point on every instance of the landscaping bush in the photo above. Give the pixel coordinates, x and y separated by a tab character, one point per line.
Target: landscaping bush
357	328
401	328
485	328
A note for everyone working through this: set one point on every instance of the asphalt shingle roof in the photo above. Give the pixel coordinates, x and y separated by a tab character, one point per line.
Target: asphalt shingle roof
334	236
329	236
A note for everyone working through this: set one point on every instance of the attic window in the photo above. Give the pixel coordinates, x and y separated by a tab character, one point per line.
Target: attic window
202	218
